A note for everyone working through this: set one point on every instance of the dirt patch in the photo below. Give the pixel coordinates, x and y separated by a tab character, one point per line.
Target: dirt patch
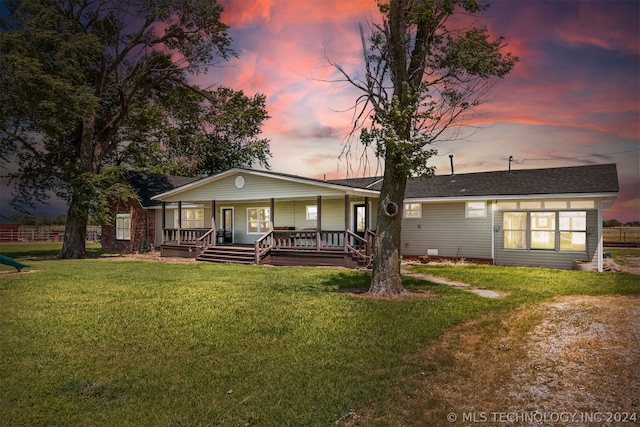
631	265
572	361
149	256
24	271
583	356
363	293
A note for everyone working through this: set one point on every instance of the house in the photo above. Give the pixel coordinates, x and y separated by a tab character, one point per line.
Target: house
536	217
134	228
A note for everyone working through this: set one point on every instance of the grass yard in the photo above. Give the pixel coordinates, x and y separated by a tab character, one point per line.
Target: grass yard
119	342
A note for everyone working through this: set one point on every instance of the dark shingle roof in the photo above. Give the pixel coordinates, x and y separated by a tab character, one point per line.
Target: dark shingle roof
368	182
147	185
566	180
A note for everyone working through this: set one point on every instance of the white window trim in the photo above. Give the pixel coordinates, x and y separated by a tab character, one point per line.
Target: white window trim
126	231
260	230
556	232
468	210
312	212
176	217
406	210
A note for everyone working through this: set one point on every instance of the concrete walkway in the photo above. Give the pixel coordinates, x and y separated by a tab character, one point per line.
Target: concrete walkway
458	285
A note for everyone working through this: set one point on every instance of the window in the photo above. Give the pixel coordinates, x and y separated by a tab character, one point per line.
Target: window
515	230
413	210
543	230
123	226
555	204
258	220
582	204
502	206
573	231
191	218
531	205
312	212
476	210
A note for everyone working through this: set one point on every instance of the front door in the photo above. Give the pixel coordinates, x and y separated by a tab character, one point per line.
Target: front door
359	219
227	225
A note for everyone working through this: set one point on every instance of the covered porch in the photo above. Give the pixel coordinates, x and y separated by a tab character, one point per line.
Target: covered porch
263	217
275	234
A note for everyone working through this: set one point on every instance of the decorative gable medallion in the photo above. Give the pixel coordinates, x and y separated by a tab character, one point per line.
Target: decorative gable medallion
239	182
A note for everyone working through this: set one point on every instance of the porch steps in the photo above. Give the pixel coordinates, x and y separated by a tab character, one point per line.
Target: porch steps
233	254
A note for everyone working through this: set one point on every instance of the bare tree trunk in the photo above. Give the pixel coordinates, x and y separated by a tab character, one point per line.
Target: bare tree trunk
75	231
78	213
386	280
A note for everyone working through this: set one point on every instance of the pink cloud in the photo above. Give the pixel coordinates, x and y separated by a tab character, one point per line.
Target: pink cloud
552	106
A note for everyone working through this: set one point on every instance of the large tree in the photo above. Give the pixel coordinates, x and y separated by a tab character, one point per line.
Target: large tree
427	65
91	87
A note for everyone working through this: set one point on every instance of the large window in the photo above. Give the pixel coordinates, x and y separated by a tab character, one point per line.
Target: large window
123	226
543	230
413	210
258	220
573	231
515	230
564	230
192	218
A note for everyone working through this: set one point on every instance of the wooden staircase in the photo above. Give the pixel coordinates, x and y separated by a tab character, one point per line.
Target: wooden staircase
233	254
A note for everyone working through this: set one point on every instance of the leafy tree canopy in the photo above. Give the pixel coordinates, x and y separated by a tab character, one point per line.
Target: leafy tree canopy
89	88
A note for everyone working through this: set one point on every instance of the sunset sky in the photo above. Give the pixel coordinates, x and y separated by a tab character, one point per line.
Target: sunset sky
573	99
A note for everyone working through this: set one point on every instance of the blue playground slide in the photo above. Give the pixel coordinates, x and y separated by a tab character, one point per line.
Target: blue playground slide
12	262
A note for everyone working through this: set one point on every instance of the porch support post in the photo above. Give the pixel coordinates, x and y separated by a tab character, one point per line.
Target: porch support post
346	212
599	249
179	219
346	220
164	220
213	214
366	213
272	208
318	222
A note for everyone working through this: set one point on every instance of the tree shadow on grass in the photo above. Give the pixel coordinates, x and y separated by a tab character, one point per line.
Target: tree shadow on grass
357	284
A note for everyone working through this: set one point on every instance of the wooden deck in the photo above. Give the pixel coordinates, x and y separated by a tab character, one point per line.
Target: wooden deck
281	247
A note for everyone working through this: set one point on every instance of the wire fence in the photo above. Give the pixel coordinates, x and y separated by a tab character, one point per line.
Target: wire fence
621	236
44	234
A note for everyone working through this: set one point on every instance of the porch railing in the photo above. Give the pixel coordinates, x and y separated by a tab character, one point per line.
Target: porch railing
184	236
306	240
359	246
264	245
347	241
207	240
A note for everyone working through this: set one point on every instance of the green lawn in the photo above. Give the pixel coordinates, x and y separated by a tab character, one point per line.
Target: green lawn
105	342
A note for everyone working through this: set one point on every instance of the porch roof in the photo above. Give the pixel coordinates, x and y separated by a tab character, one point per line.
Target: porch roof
246	184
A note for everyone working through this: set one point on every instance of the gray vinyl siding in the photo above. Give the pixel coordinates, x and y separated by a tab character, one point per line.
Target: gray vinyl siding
444	227
547	258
